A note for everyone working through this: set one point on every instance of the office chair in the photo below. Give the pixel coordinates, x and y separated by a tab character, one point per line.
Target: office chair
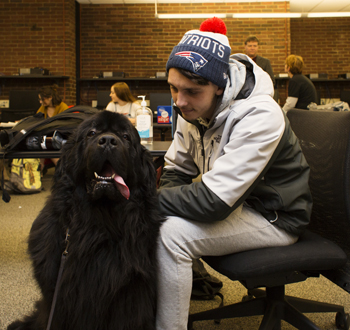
345	96
103	99
323	249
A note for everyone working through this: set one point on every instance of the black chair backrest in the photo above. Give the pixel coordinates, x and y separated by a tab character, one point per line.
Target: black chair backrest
103	99
345	96
324	137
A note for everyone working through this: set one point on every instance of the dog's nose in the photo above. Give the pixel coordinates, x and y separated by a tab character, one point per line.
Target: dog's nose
107	141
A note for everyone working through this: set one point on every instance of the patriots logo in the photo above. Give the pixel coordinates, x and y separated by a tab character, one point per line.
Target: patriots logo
198	61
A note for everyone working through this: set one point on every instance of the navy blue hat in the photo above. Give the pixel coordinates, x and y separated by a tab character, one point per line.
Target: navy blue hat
205	53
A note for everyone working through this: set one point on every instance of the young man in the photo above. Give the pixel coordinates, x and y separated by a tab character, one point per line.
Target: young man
253	191
251	47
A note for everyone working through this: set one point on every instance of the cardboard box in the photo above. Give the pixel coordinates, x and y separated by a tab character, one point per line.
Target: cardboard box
109	74
164	114
160	74
318	75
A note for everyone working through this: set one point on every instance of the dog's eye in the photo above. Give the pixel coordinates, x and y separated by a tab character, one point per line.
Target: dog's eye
92	133
126	137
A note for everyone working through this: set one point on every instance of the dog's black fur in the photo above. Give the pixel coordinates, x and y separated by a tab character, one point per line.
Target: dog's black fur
109	279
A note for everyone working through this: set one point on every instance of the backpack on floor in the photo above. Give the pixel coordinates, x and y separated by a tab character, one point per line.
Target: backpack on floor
25	176
204	285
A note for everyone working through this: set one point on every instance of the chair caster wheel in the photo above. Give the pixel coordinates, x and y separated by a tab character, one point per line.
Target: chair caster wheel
342	321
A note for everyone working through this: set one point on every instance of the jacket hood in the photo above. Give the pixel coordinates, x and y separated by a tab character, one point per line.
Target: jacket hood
246	80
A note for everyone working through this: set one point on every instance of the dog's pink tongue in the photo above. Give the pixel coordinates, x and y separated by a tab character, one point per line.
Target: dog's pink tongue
123	188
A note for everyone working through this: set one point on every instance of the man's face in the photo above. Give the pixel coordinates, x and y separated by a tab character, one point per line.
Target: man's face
192	99
251	49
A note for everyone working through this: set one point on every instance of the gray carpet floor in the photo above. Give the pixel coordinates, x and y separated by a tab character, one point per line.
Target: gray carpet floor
18	290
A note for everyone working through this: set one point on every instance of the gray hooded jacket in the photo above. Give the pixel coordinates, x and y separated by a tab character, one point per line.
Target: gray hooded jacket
248	154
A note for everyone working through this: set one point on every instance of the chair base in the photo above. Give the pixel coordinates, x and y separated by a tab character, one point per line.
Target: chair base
275	307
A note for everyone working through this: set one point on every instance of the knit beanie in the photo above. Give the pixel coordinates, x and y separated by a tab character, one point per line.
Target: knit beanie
205	52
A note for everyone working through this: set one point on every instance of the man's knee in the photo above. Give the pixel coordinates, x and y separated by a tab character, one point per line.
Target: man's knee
172	231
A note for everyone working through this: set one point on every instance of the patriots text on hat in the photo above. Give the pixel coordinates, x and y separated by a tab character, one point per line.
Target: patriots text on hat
202	41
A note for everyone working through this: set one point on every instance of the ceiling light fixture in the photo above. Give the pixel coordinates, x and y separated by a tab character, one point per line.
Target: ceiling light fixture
225	15
248	15
267	15
172	16
240	15
325	14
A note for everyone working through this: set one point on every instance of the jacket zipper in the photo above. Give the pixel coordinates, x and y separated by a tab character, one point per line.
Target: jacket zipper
211	153
203	153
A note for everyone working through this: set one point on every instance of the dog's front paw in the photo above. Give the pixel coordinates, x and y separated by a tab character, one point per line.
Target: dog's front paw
21	325
17	325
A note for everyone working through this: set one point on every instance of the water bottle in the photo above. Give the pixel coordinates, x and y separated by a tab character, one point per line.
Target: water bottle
144	122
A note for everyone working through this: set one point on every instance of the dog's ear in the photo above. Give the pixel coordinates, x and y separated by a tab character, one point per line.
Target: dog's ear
69	160
148	169
61	167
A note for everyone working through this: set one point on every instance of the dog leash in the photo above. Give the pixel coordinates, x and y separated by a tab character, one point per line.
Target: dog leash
58	282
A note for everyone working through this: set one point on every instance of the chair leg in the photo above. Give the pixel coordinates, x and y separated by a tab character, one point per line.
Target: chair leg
297	319
280	308
242	309
272	317
309	306
303	305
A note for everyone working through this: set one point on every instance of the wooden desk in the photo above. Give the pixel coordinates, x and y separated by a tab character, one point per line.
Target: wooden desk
157	149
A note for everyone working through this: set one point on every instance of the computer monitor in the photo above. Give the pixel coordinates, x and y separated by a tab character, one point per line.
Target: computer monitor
103	99
24	100
345	96
156	99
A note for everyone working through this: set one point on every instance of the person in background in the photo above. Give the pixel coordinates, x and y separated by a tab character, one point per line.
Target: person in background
51	101
301	90
251	47
51	105
253	190
123	101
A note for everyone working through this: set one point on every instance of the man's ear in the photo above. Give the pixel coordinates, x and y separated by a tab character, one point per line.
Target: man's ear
219	91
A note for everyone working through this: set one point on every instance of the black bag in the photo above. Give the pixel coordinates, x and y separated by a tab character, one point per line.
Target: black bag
31	133
28	133
204	285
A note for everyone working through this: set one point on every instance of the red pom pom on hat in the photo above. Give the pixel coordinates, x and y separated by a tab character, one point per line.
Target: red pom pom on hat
215	25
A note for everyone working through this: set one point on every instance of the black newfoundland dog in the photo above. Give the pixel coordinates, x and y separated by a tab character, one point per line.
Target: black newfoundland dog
104	194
